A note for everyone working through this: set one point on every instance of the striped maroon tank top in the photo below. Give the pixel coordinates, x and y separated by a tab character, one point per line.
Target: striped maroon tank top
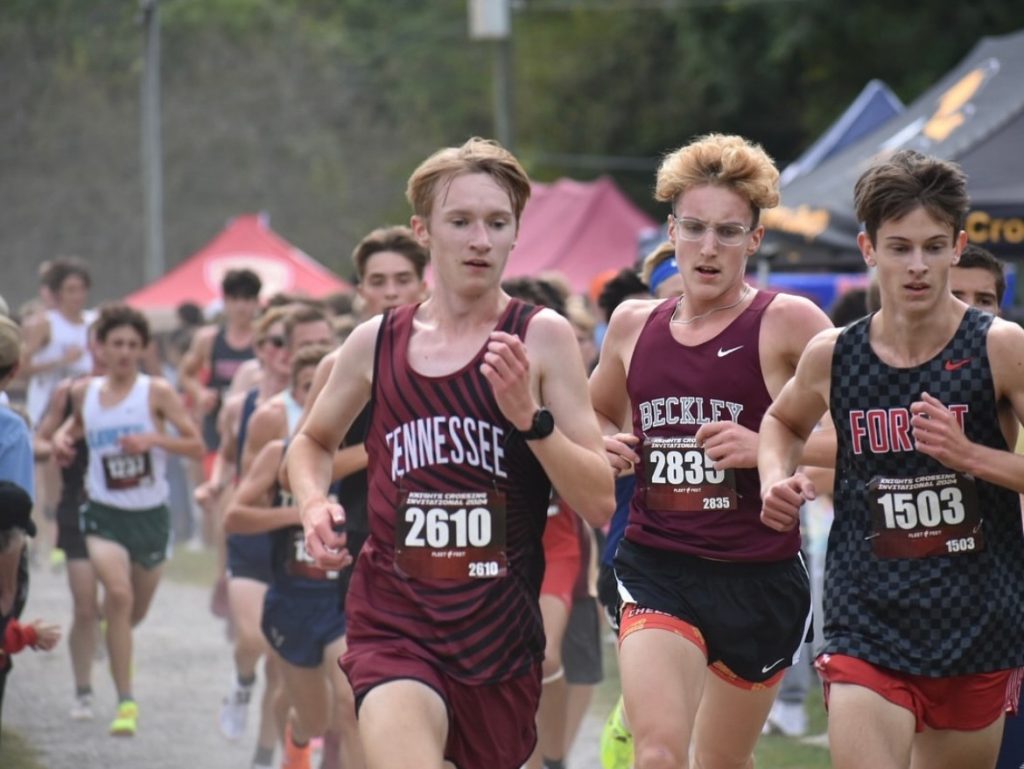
457	506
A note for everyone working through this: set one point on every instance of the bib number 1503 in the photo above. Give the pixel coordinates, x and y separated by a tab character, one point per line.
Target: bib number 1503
929	507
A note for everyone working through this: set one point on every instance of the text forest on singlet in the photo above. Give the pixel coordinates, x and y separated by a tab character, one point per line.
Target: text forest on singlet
686	410
446	439
888	430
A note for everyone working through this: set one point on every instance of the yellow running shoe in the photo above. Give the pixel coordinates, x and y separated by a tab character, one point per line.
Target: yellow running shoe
126	721
616	741
58	559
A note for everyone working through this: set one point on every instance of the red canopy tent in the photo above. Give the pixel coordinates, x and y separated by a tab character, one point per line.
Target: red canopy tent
580	229
247	242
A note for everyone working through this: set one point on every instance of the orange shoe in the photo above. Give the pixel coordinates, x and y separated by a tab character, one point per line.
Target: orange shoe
294	756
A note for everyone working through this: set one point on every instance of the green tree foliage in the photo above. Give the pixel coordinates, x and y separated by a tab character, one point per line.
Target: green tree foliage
638	79
317	110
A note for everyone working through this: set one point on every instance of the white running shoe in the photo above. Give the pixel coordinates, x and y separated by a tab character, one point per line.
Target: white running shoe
787	718
235	711
81	710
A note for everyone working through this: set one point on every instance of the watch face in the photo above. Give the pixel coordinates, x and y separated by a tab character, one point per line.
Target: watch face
543	424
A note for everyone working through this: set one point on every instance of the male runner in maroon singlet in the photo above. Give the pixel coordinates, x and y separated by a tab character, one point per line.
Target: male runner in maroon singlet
680	388
478	400
220	350
924	581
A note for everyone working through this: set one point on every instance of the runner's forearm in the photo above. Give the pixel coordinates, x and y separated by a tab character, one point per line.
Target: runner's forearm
186	446
583	478
309	470
252	519
349	460
778	451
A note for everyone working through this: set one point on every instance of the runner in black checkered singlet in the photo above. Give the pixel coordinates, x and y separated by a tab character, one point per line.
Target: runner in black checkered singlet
925	571
956	613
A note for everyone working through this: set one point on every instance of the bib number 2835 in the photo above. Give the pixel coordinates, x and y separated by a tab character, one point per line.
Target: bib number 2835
681	477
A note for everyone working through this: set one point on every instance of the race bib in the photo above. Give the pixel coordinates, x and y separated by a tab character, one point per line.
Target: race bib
925	516
299	563
682	478
127	471
451	535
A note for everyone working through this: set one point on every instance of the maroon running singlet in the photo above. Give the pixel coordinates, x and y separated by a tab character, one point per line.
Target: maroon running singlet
451	572
681	502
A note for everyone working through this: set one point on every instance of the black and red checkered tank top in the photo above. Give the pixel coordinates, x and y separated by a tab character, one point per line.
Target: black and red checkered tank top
925	567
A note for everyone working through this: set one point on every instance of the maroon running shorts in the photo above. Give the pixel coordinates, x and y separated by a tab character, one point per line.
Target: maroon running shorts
490	726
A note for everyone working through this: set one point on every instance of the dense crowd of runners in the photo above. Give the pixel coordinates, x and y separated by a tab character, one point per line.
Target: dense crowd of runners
420	495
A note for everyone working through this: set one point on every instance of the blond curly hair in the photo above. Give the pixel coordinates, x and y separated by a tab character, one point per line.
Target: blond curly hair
724	161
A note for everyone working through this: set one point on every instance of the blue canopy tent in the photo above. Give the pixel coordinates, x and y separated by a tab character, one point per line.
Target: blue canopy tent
874	106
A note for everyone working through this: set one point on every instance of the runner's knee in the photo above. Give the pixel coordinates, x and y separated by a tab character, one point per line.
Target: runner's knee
249	640
654	753
118	600
86	613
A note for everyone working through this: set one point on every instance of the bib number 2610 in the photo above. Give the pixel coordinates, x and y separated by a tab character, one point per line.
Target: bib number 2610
451	535
438	527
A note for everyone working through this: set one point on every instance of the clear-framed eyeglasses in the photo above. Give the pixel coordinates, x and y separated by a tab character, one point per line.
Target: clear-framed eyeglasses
695	230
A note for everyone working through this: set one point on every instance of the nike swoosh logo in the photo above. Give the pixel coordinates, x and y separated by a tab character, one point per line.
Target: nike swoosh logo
766	668
956	365
722	353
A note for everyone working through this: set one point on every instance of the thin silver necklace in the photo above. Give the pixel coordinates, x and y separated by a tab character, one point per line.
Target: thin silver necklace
695	318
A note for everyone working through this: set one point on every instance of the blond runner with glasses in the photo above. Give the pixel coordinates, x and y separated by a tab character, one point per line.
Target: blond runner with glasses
680	401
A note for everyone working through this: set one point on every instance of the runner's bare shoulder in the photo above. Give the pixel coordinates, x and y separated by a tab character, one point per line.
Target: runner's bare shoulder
794	320
629	317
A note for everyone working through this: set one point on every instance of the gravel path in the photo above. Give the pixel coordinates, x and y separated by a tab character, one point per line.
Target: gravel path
182	664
